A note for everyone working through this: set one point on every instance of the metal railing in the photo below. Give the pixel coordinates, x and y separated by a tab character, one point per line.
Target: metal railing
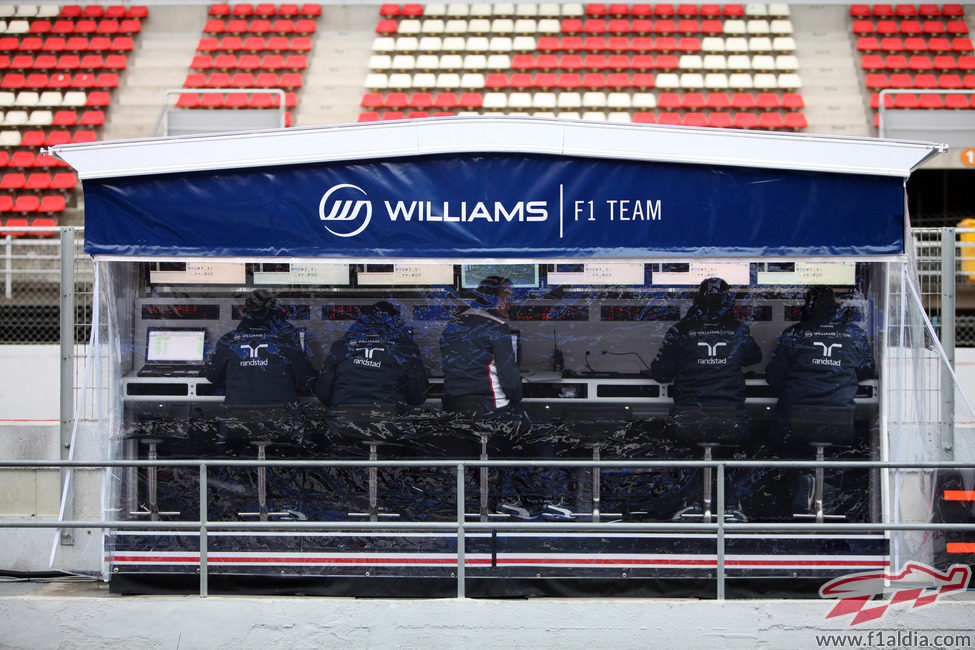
460	525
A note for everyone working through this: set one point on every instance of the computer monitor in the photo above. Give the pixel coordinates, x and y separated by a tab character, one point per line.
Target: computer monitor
175	345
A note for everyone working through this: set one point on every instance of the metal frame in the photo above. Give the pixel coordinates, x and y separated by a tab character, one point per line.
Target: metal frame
720	527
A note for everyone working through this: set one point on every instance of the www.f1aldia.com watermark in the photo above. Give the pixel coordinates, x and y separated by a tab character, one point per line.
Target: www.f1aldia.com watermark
916	585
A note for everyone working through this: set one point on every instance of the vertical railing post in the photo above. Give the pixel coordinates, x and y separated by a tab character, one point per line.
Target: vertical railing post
719	539
8	276
67	345
204	573
947	392
461	550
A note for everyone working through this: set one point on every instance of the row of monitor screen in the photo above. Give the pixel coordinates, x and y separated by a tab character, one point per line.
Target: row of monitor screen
521	275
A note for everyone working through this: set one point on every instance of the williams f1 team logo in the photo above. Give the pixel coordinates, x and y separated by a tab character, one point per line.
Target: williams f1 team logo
917	584
343	211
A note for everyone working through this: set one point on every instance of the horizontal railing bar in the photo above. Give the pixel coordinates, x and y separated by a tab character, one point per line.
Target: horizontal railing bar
840	464
451	526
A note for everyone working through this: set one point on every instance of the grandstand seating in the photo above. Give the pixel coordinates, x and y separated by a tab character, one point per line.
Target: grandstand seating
244	46
60	67
908	47
706	65
538	61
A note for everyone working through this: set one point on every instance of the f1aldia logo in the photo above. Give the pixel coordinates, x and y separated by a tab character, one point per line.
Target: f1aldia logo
342	212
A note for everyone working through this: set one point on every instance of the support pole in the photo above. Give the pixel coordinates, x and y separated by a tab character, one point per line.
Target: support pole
947	391
67	369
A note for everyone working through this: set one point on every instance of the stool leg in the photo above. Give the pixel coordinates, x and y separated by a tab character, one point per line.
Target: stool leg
484	479
596	471
706	514
373	484
152	478
262	484
820	457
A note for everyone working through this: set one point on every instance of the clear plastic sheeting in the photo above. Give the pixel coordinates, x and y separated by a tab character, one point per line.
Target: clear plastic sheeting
591	342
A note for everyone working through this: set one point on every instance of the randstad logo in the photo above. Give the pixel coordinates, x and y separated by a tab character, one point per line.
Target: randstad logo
342	212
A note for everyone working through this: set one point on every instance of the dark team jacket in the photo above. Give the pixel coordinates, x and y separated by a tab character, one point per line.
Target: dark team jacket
704	360
820	362
376	361
479	360
260	363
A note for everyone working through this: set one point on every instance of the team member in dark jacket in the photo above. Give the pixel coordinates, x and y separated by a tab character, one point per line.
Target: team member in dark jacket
263	370
703	354
479	361
481	374
820	360
261	361
375	362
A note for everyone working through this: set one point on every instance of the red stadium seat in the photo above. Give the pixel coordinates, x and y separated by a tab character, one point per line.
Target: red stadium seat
905	100
745	121
121	44
930	101
962	45
570	44
38	181
83	135
471	100
45	222
64	118
693	101
235	100
91	62
743	101
6	205
11	226
669	101
642	80
570	62
26	203
188	100
720	120
793	101
195	80
13	181
891	44
956	102
770	120
795	121
669	118
92	118
59	136
644	117
242	80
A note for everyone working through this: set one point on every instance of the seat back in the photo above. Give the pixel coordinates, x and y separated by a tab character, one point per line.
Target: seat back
706	425
831	425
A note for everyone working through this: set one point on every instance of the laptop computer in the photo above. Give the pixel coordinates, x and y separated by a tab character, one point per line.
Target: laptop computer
174	352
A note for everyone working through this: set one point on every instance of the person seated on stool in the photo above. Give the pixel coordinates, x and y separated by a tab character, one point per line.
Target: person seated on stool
375	362
261	363
704	355
482	378
263	370
373	374
819	361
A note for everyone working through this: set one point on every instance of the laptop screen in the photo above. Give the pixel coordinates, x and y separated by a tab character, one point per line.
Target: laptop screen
175	345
